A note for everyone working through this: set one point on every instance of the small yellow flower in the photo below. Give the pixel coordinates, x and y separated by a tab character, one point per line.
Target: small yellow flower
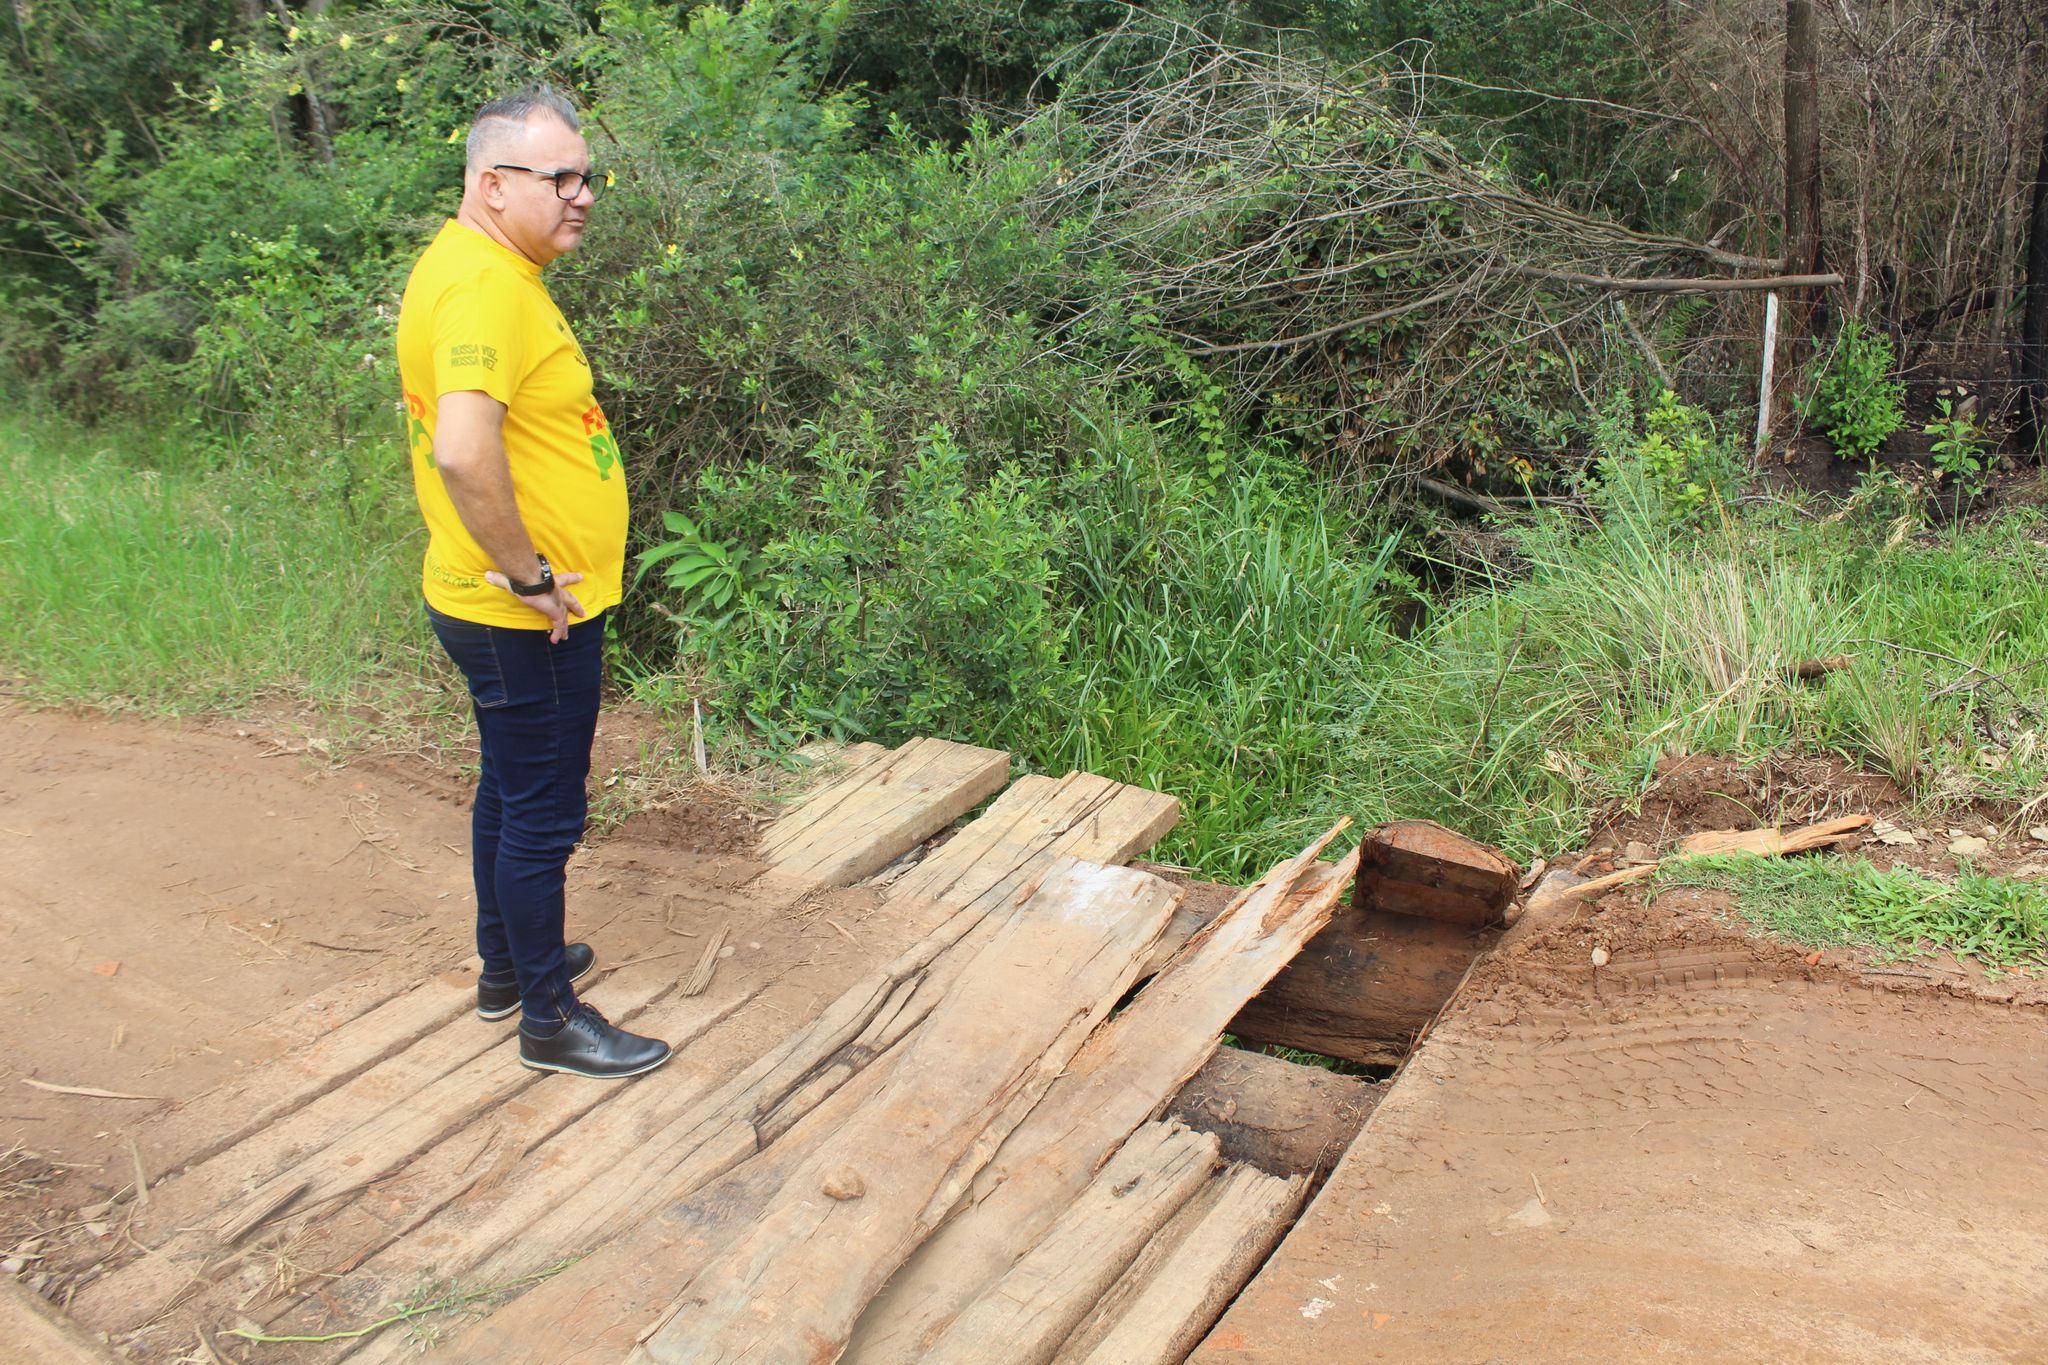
400	83
346	41
213	46
294	88
292	34
214	102
671	248
390	38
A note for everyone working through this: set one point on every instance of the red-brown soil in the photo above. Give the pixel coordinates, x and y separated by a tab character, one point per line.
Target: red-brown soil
1706	1149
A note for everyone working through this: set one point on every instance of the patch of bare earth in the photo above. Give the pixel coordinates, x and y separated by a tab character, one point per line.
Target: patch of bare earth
1706	1148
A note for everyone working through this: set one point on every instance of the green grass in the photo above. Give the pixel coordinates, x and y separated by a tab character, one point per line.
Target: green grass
152	574
1515	712
1843	902
1232	646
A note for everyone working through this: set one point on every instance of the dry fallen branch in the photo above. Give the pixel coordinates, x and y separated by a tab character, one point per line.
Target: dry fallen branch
1309	229
88	1091
700	976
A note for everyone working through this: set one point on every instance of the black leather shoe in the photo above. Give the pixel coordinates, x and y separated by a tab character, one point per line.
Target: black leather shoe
495	1002
590	1045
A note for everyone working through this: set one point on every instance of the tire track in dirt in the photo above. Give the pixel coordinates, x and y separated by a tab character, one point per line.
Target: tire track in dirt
1703	1150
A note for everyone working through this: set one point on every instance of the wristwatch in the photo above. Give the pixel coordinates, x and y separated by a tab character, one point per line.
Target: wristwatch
540	589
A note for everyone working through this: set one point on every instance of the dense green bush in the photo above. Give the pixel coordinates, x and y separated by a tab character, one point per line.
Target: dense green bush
1856	403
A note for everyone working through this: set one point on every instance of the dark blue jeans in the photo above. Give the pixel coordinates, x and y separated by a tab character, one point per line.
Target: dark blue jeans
536	713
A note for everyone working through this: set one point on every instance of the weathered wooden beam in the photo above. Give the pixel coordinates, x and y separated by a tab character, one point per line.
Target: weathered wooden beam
1282	1117
1125	1075
1023	1318
1417	867
1168	1300
1366	988
797	1276
880	809
1428	901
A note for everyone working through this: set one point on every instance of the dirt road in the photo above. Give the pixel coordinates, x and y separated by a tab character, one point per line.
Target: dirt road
1705	1150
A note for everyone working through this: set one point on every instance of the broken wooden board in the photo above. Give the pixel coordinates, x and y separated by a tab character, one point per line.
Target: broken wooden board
1366	987
791	1287
1124	1076
1024	1317
1417	867
880	809
1282	1117
389	1114
1167	1302
1772	843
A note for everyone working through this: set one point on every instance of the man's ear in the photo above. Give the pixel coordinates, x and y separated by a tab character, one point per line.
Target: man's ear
490	186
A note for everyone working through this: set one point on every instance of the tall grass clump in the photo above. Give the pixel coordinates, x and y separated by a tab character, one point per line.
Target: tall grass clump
1674	625
152	571
1223	634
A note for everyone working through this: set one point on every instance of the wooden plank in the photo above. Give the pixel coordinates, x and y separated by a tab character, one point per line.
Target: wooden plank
1281	1117
1024	1317
881	809
1120	1079
395	1111
599	1308
1366	987
791	1287
446	1209
226	1115
1166	1303
1012	846
650	1155
33	1330
1037	820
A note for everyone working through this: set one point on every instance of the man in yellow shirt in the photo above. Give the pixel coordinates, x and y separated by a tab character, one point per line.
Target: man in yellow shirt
521	486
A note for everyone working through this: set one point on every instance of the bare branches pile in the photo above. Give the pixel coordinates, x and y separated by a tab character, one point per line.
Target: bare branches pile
1307	228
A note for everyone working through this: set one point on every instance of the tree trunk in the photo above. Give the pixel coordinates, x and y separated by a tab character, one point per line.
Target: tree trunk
2033	359
1802	162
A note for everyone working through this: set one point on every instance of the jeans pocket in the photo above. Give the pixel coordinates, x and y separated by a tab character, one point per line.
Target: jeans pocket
474	648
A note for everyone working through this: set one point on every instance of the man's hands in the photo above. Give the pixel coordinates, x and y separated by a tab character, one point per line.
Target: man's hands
558	606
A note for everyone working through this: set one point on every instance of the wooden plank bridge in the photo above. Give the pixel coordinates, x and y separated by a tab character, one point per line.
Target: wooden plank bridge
960	1158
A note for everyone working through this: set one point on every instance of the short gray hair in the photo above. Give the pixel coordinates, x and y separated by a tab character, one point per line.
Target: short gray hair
504	116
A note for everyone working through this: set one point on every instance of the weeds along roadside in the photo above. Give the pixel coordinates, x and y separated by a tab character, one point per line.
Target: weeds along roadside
168	573
1232	645
1830	901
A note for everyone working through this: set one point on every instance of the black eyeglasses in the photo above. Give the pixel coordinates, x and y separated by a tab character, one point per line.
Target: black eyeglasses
568	184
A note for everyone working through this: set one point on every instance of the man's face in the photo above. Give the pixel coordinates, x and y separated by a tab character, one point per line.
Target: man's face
539	223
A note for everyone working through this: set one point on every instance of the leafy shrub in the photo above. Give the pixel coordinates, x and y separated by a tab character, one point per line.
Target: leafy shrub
887	602
1857	404
1678	465
1958	449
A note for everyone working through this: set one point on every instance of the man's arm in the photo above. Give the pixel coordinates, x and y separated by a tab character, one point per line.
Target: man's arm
469	451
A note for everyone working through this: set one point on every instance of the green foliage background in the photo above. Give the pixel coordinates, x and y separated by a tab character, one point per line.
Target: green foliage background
916	458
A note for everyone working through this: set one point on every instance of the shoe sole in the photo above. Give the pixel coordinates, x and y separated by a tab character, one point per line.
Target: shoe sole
513	1008
595	1075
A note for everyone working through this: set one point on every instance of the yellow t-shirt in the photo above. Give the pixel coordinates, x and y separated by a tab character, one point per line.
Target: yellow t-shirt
476	316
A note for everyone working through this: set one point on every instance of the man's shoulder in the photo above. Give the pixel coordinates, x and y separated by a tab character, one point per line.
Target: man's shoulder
449	263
